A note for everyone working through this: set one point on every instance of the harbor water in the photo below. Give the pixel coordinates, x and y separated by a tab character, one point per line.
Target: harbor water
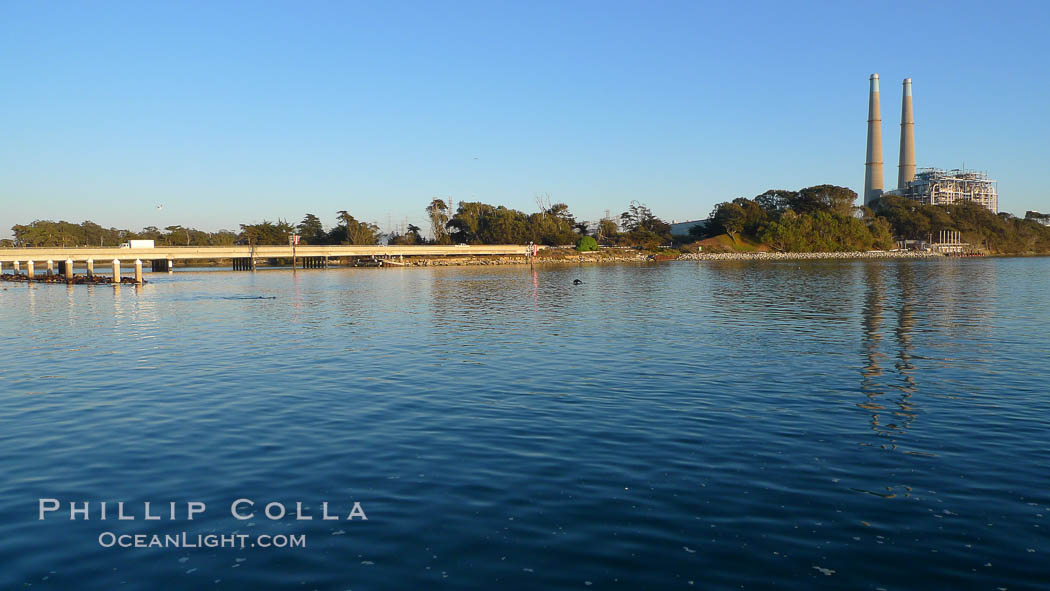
856	424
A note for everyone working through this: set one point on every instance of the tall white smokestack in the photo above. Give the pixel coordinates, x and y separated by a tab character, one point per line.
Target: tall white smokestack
906	166
873	163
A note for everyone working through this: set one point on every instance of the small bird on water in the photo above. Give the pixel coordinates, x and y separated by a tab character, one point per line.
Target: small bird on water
576	282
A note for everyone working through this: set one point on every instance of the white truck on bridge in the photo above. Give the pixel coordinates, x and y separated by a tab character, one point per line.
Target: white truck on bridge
137	244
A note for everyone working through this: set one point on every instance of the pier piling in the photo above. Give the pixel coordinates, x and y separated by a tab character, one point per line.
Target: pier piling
138	271
17	270
29	269
50	267
91	268
69	269
116	271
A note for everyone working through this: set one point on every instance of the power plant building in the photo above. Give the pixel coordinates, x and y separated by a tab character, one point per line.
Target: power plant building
929	186
933	186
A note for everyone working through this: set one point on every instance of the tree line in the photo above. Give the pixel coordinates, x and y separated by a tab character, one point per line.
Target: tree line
821	218
468	222
88	233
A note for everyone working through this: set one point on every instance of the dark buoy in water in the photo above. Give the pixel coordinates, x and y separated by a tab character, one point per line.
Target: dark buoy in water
576	282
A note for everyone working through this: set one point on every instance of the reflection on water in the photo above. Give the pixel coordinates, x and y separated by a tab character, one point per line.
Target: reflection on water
905	413
888	395
813	424
873	316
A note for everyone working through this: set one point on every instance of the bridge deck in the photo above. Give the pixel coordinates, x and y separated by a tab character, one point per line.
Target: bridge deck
259	252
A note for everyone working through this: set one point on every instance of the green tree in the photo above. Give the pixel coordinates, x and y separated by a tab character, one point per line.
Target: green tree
755	217
905	216
729	216
608	230
359	233
311	231
177	235
776	201
466	223
267	233
409	238
437	213
413	231
823	197
881	233
500	225
635	216
554	226
642	227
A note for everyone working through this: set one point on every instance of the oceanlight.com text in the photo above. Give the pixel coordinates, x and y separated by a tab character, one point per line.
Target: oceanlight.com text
185	540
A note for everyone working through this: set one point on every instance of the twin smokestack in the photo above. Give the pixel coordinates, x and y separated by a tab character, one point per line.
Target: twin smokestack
873	183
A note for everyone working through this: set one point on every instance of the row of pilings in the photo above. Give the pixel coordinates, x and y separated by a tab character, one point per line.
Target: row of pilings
65	273
250	264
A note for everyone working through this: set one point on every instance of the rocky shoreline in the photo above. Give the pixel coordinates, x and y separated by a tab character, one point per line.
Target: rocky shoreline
642	257
542	259
786	256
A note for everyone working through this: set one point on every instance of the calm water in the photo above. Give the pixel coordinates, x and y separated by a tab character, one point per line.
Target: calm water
833	425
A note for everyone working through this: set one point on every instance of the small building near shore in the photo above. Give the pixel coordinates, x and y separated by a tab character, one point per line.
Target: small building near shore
1039	218
681	229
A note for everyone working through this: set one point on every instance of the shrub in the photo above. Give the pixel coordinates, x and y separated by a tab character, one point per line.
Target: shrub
586	243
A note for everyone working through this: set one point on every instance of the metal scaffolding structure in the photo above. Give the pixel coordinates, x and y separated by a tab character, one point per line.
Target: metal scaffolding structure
935	186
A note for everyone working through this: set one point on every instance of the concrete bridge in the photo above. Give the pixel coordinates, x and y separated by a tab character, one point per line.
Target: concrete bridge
243	257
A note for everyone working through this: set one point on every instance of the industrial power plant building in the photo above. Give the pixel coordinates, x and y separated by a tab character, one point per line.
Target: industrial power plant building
933	186
929	186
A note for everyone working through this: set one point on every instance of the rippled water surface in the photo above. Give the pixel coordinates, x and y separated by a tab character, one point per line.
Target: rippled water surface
852	424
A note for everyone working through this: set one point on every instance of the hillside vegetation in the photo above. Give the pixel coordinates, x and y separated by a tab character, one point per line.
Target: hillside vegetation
815	219
995	233
824	219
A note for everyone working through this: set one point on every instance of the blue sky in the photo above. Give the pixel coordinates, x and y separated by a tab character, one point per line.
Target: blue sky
237	112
